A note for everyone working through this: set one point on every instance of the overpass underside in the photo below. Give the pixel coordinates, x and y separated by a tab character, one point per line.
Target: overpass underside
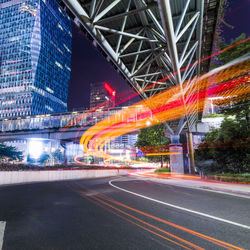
155	45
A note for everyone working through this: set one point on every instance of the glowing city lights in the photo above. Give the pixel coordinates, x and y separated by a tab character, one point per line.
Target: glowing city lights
228	81
35	148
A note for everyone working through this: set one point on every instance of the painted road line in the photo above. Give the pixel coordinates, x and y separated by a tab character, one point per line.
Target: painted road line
175	182
204	188
181	208
2	228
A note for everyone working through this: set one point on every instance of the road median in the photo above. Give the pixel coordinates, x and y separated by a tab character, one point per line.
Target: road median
22	177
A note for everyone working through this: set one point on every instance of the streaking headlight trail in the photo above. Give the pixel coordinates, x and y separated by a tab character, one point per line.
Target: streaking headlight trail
230	81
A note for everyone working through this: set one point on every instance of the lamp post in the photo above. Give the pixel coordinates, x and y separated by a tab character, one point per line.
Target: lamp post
161	155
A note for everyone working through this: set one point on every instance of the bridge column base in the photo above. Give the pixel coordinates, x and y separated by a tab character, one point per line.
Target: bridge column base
176	158
176	155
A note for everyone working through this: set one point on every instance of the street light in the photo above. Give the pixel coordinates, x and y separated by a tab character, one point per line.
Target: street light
35	148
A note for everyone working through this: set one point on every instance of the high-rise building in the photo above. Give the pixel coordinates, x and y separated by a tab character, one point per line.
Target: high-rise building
35	57
101	94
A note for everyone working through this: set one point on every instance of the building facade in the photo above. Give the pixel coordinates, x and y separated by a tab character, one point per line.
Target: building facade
35	57
102	95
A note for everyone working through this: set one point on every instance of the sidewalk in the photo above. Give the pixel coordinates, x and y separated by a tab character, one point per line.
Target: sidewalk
197	182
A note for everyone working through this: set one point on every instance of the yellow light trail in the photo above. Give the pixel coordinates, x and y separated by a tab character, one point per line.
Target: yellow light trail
230	82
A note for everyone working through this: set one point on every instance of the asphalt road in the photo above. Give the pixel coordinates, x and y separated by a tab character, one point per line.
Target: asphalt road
92	214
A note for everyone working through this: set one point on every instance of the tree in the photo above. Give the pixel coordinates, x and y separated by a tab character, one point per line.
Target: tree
153	140
240	110
235	52
57	155
44	157
227	148
10	153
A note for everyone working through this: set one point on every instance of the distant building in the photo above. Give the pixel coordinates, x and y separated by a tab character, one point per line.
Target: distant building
124	141
102	94
211	106
35	57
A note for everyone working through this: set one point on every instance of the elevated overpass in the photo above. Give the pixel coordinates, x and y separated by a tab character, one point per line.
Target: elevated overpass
60	131
71	134
68	126
153	44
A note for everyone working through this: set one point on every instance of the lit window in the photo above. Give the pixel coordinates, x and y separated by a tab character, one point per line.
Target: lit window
59	65
49	90
67	48
60	26
68	68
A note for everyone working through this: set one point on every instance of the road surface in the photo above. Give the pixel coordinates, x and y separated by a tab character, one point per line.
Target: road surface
121	213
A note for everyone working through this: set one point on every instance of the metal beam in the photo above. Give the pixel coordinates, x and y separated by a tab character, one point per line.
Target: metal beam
145	63
136	57
141	52
181	18
127	13
167	23
122	29
124	33
106	10
196	16
98	7
92	8
147	35
83	17
129	43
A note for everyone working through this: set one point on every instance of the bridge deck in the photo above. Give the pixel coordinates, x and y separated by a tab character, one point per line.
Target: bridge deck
150	42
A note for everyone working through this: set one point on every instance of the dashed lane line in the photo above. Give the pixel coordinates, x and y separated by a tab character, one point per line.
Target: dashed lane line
2	228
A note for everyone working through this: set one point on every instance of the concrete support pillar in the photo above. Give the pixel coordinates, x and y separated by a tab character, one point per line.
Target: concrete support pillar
191	153
176	155
65	159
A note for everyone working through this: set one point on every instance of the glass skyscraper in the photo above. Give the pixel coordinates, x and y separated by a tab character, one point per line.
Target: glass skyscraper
35	57
101	95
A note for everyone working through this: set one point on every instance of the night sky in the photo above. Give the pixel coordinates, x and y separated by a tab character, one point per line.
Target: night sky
237	15
88	65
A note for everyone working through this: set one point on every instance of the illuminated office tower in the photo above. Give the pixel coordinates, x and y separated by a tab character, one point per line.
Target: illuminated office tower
102	95
35	57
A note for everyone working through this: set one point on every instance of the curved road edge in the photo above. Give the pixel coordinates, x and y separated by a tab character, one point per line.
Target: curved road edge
178	207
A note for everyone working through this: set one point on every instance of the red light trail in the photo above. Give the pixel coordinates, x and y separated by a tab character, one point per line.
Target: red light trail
173	108
123	121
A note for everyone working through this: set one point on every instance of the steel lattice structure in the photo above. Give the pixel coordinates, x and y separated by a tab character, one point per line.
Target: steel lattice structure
147	41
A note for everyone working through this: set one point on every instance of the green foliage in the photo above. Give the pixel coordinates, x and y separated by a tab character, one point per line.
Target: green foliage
10	153
225	149
213	115
58	155
235	52
42	159
162	170
151	137
242	178
240	110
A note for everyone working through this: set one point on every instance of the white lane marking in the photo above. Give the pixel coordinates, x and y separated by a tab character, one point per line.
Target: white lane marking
2	228
203	188
182	208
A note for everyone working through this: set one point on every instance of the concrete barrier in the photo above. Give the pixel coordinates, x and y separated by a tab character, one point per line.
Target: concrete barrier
17	177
